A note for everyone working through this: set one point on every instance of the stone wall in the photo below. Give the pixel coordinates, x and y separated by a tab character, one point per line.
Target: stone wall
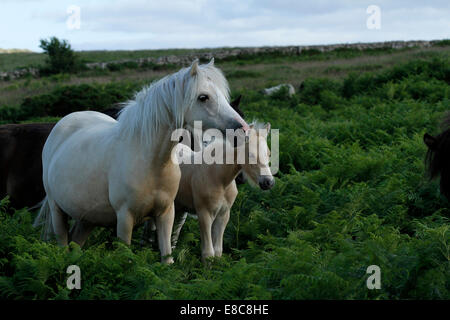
220	54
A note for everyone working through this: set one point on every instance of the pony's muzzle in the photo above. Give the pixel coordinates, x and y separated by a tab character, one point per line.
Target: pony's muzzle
266	182
235	124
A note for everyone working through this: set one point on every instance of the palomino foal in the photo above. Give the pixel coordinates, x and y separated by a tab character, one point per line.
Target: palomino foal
209	190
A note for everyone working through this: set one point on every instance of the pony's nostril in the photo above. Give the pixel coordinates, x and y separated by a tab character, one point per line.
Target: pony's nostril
237	125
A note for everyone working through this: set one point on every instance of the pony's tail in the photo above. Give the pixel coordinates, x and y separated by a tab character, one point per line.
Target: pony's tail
37	205
44	219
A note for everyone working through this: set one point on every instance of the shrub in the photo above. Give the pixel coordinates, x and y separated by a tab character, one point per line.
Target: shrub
358	84
67	99
10	114
61	57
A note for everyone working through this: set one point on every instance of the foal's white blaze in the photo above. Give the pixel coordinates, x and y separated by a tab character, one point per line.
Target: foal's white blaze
105	172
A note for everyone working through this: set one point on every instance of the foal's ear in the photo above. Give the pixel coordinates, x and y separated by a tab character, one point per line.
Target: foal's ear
430	141
194	68
266	130
211	63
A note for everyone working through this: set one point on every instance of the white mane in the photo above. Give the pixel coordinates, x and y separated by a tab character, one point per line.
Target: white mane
166	101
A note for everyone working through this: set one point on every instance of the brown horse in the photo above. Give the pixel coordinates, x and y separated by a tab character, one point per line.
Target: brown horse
20	160
437	161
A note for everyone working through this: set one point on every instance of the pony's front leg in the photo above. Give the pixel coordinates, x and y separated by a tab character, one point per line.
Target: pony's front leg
218	228
205	222
125	224
164	224
180	219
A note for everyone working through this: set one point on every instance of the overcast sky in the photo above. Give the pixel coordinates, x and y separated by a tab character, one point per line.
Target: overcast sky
156	24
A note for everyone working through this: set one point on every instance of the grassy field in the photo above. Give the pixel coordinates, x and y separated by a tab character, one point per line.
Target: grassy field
27	59
252	74
351	191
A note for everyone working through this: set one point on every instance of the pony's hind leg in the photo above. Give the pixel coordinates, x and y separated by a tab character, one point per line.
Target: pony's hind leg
218	228
180	219
164	224
59	222
205	222
80	232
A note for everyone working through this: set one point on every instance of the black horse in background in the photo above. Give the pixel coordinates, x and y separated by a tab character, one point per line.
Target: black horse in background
437	160
21	159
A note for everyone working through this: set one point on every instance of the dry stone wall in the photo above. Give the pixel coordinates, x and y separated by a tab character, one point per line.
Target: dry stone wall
221	54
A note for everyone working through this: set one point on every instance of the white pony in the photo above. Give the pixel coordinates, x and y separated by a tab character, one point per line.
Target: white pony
103	172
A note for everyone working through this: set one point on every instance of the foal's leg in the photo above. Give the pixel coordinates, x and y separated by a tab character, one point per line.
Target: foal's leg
218	229
59	223
205	222
125	223
180	219
164	224
80	232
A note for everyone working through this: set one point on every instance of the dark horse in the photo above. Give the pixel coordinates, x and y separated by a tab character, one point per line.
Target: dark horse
438	156
20	160
21	164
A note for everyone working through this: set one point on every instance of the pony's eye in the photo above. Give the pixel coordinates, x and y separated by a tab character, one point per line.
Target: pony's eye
203	97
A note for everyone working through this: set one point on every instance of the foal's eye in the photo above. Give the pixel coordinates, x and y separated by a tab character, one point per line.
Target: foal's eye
203	97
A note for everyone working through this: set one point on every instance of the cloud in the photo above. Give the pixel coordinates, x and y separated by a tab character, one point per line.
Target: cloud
140	24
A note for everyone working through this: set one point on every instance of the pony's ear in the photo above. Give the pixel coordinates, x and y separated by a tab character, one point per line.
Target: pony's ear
430	141
211	63
267	126
235	103
194	68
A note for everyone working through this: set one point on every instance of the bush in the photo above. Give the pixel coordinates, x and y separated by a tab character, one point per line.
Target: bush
67	99
61	57
10	114
358	84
